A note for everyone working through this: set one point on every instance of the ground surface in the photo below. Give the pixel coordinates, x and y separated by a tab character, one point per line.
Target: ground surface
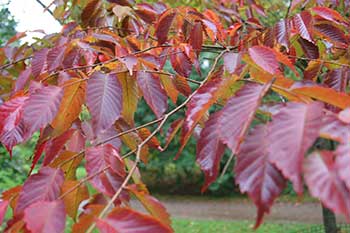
242	209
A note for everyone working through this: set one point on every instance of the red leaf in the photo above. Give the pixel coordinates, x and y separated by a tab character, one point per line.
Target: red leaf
310	50
39	148
298	124
129	221
180	62
302	23
45	217
55	57
210	150
265	58
163	25
197	107
338	79
151	204
282	33
41	108
335	129
43	186
238	113
342	162
129	61
146	13
323	181
153	92
104	100
332	33
54	146
329	14
88	12
11	128
196	37
232	61
22	80
98	159
255	174
39	62
3	208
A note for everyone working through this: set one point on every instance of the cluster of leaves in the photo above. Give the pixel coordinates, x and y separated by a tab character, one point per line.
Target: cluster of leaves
81	88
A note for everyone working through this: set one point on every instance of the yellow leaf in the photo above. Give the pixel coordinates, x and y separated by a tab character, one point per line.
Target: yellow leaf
75	197
70	108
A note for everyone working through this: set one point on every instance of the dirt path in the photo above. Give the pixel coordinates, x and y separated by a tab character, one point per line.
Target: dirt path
282	212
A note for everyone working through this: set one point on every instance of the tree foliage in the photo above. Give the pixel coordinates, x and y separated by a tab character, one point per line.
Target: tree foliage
270	93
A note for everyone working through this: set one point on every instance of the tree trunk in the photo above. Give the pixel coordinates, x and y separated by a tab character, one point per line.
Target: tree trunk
329	220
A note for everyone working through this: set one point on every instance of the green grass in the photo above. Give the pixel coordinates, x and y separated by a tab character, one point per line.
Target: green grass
205	226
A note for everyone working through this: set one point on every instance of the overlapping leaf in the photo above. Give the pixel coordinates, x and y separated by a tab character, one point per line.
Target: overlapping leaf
180	62
210	150
204	98
265	58
196	36
129	221
342	162
104	100
232	61
74	198
255	174
70	108
41	107
104	163
323	181
302	23
43	186
12	129
163	25
130	96
45	217
329	14
151	204
299	125
238	113
153	92
327	95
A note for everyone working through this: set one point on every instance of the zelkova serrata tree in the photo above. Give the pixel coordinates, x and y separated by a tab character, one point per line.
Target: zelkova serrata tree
276	90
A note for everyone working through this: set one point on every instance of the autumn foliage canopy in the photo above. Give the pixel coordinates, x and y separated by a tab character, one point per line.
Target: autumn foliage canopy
272	96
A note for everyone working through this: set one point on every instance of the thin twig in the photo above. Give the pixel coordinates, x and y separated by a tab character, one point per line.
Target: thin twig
14	62
82	181
111	138
102	63
48	10
288	10
227	164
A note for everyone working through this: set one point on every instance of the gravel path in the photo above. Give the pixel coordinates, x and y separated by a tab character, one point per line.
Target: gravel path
236	210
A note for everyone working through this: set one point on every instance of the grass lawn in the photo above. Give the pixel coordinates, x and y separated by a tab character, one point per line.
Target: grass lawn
205	226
